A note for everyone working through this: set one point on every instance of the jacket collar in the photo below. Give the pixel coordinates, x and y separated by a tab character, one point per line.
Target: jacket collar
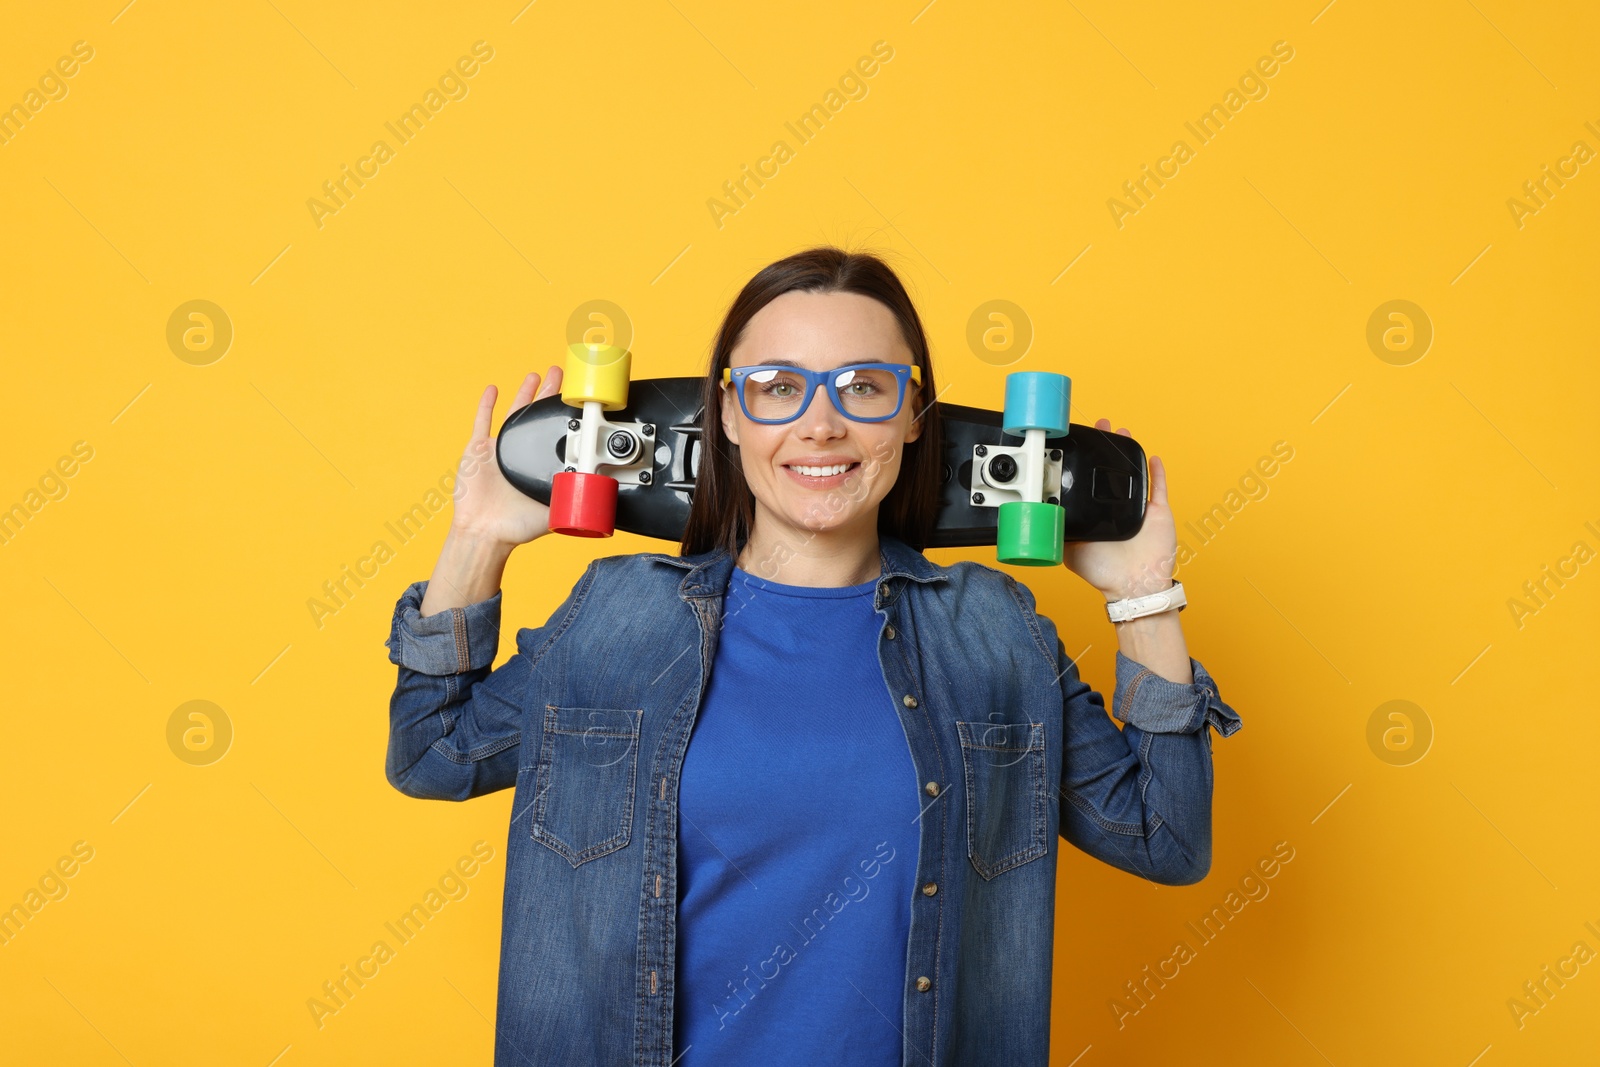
708	572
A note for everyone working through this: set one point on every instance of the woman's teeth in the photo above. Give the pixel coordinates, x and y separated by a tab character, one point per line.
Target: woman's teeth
822	472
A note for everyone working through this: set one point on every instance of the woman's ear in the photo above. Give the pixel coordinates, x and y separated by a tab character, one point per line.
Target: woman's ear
912	397
730	420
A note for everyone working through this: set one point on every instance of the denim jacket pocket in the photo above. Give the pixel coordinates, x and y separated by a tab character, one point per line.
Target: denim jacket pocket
584	781
1007	794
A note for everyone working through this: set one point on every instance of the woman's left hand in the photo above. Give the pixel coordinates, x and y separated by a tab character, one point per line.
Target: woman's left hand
1142	564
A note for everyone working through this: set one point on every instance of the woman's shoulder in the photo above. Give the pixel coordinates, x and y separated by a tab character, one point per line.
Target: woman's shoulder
643	576
968	581
665	565
978	594
1000	587
967	574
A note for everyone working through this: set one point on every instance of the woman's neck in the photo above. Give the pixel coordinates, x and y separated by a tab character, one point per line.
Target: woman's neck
817	558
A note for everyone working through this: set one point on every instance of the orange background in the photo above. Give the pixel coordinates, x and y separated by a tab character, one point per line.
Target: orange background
1226	317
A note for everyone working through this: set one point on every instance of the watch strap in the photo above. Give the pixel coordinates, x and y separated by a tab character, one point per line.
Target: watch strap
1150	604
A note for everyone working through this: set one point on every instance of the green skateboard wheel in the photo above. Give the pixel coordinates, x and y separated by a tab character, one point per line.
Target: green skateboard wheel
1029	534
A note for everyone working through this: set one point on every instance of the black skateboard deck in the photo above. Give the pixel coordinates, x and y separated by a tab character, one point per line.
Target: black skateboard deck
1104	476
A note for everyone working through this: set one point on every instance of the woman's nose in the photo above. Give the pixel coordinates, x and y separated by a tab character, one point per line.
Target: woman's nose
820	412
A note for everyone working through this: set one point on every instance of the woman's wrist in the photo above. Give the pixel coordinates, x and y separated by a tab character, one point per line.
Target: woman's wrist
476	539
1157	641
470	567
1130	589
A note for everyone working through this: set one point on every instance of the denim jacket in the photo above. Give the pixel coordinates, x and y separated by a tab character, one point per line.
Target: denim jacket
588	722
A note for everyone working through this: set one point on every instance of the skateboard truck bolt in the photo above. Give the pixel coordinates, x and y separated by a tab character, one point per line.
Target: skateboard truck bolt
644	477
620	444
977	498
981	450
648	430
1002	467
573	424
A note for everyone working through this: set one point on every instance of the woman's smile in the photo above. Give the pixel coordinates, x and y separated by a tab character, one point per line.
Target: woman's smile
821	475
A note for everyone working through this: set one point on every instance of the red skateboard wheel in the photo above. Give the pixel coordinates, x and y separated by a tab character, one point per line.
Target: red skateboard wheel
583	505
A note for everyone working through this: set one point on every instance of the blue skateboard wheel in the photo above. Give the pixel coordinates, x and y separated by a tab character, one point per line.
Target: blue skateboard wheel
1037	400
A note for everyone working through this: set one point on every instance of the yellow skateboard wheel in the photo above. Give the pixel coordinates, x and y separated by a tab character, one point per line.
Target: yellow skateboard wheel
596	372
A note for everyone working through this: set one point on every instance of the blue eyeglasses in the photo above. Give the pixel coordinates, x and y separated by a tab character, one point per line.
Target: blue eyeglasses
864	392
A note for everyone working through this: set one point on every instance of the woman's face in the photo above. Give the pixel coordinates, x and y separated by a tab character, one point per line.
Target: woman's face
821	331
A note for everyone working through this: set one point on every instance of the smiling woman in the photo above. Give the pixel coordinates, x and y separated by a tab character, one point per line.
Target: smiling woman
703	742
819	310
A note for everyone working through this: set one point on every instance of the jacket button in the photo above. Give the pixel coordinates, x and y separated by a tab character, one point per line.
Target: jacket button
923	985
932	789
930	889
888	631
909	701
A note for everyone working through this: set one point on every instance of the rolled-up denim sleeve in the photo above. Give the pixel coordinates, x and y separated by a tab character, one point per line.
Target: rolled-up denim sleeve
1162	706
455	726
1139	798
446	642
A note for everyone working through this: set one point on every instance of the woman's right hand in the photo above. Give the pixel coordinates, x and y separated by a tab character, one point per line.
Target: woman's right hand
487	507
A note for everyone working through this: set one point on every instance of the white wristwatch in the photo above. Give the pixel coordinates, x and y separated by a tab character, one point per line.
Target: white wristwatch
1149	604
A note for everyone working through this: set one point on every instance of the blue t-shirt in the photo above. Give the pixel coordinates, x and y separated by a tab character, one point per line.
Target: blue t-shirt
797	839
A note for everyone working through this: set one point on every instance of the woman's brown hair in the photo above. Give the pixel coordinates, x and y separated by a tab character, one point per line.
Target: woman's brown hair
723	508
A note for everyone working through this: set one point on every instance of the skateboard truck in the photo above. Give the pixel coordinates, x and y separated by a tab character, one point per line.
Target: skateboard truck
628	452
1025	481
999	473
599	453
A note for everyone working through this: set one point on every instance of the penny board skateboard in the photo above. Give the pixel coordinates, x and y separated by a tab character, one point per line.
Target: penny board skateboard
1103	477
